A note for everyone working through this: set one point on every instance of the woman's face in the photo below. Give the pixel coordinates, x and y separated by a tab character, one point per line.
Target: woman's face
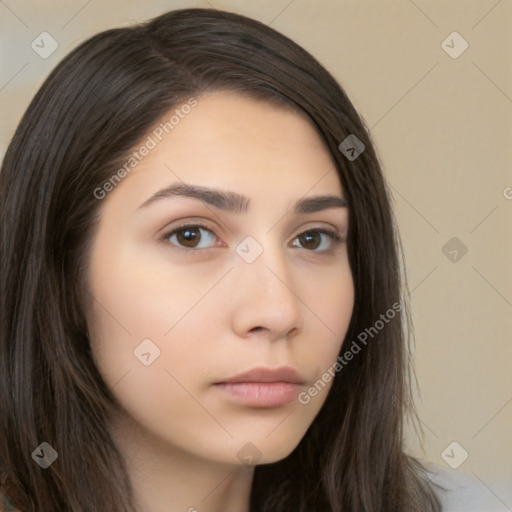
178	311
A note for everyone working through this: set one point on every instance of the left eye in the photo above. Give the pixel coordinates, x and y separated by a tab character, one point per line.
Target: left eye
190	237
313	237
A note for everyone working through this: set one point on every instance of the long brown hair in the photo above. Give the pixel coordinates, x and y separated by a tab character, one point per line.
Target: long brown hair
92	110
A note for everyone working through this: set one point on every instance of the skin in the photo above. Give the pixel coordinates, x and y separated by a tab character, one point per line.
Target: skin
211	313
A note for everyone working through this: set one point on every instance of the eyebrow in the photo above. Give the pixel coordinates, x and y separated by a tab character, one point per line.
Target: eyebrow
238	203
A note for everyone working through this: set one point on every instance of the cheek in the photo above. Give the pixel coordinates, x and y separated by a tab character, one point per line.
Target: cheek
139	293
331	302
146	307
137	317
157	333
330	310
151	339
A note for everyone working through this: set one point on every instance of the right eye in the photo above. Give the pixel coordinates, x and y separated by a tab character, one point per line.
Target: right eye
189	236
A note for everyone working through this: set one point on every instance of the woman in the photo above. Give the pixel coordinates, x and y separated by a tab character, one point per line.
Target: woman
202	306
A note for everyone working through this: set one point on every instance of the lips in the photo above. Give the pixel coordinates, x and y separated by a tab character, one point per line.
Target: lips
262	387
282	374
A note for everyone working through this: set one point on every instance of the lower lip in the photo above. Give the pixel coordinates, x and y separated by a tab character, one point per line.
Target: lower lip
261	394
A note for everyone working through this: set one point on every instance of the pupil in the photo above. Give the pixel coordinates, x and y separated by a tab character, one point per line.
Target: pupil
188	237
308	237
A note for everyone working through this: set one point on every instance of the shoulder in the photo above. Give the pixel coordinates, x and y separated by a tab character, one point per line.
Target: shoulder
462	492
7	501
6	504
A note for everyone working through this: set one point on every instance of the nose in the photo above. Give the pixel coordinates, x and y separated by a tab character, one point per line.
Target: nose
266	303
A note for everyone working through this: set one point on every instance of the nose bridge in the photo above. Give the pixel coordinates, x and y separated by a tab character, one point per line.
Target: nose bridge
267	295
270	266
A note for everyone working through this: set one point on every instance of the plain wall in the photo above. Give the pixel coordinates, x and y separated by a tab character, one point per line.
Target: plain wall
442	127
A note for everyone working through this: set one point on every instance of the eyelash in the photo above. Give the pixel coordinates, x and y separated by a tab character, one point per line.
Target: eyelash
336	238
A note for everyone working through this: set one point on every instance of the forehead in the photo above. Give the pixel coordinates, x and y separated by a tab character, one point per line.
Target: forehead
237	143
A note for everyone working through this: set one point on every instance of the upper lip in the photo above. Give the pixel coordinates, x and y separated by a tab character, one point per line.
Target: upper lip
262	374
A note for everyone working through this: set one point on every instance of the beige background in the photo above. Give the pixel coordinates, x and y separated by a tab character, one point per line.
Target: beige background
443	129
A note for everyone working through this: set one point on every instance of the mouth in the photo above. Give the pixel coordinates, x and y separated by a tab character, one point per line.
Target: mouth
263	387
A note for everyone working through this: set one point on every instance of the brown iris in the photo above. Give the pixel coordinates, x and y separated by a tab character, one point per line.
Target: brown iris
308	239
188	237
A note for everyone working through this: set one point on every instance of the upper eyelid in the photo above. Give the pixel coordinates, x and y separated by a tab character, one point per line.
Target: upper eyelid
207	224
201	224
187	224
